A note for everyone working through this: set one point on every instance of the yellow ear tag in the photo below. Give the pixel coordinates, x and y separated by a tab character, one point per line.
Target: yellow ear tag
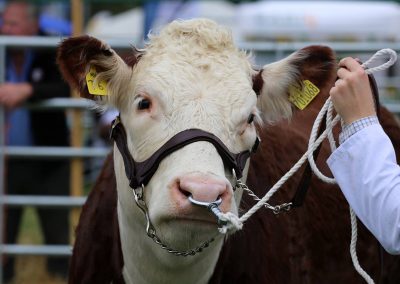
95	88
302	97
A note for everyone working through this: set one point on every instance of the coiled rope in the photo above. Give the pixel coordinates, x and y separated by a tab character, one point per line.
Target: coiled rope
236	223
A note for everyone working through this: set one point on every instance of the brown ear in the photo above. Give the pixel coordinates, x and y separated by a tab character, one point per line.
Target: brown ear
76	55
272	83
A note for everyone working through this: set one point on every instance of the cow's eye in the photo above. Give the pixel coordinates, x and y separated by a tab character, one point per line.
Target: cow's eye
144	104
251	118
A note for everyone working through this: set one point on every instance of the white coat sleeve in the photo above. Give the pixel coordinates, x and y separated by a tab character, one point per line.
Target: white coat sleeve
366	170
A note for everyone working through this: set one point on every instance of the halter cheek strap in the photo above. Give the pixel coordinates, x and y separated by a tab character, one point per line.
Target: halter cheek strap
140	173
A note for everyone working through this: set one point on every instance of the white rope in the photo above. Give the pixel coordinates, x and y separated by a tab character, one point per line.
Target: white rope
353	251
386	51
329	125
327	108
235	223
233	220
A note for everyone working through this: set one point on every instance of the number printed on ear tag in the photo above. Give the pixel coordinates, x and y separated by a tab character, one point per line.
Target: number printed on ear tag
95	87
301	97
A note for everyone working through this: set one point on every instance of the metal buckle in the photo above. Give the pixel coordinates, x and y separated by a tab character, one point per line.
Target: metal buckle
285	207
115	122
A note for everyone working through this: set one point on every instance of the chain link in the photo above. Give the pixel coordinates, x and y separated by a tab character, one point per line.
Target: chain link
277	209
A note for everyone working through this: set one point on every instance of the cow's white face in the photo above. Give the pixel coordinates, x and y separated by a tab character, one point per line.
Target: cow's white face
185	85
189	76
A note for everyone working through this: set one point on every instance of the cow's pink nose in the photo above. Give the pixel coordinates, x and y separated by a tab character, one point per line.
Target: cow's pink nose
204	187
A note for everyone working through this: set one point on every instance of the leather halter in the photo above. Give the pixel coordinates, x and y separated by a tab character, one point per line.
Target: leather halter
140	173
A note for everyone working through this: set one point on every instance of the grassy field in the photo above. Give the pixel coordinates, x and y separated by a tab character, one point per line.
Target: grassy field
32	269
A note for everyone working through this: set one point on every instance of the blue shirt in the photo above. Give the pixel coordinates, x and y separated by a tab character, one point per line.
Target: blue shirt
19	132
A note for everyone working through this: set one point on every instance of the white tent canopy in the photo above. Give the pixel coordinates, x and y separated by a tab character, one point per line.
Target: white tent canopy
268	20
125	25
319	20
130	23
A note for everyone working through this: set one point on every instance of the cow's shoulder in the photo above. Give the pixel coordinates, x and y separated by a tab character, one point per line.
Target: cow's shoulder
97	256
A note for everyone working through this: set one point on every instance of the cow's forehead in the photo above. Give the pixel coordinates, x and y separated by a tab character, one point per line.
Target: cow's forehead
194	60
193	35
213	72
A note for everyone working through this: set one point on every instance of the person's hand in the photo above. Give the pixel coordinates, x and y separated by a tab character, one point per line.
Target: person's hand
352	95
14	94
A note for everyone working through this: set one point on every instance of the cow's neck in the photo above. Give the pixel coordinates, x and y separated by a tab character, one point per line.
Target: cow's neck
147	262
144	260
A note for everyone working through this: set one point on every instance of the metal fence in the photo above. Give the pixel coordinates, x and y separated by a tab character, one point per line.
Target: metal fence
40	152
264	52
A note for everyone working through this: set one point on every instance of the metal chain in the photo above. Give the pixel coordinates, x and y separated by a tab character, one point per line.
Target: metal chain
277	209
156	239
151	231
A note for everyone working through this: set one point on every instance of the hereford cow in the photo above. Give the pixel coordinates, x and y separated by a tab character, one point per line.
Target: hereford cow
189	103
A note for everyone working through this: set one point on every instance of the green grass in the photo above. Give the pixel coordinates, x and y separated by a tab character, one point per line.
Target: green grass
32	269
30	230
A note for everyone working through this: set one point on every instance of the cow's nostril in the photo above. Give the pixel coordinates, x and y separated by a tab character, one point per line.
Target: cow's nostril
184	192
203	187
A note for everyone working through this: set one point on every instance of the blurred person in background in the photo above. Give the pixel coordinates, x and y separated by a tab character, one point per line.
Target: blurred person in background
31	76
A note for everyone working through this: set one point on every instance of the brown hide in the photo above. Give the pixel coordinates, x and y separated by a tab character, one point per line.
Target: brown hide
309	244
97	256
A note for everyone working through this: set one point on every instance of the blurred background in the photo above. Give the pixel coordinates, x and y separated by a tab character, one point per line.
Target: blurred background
269	29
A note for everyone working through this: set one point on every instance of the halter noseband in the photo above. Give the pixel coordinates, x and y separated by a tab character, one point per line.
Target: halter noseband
140	173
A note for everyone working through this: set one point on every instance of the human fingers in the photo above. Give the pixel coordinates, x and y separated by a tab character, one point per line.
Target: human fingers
343	73
334	90
10	101
350	63
337	97
4	101
3	97
340	88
